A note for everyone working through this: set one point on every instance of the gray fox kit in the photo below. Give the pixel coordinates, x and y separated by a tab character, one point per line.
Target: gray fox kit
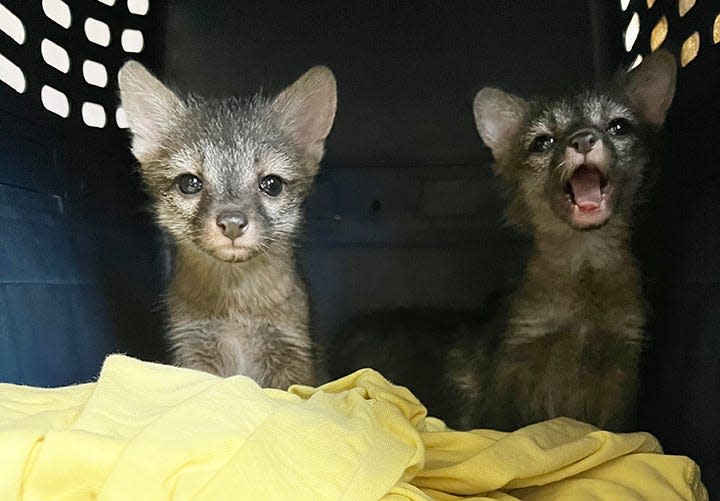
227	180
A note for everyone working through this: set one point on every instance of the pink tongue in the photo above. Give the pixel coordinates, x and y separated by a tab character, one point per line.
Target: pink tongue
586	188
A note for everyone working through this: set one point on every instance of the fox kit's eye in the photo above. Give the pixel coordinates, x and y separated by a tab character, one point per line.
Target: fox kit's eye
618	127
189	184
542	143
271	185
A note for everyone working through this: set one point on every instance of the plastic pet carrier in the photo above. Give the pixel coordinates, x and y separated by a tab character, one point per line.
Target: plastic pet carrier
405	212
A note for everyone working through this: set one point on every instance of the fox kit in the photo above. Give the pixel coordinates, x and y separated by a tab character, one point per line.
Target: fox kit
567	341
228	179
575	168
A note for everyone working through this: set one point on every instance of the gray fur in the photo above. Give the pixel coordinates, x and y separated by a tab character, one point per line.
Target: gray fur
235	305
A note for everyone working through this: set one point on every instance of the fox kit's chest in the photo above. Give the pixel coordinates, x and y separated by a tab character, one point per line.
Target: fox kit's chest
223	331
572	349
240	309
587	306
250	319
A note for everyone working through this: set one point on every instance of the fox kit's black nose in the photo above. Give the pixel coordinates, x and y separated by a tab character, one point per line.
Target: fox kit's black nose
233	224
583	141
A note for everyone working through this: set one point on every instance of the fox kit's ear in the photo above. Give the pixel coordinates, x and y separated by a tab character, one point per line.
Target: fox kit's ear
651	86
306	109
151	108
498	116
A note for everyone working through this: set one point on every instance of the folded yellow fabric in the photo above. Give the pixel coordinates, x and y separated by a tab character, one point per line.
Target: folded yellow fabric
152	432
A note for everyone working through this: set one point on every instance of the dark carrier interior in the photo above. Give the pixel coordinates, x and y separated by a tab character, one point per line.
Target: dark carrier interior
405	211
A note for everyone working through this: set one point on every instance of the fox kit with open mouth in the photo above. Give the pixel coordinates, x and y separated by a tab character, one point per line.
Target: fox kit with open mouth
228	178
575	168
567	341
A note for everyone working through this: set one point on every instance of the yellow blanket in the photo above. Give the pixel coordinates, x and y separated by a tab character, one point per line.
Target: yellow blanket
151	432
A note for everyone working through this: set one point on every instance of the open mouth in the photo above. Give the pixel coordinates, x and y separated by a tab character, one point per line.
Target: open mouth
587	188
588	194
